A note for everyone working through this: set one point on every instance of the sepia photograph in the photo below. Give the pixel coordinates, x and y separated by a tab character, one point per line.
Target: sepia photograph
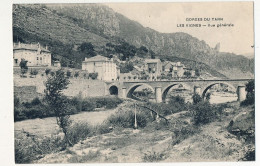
148	82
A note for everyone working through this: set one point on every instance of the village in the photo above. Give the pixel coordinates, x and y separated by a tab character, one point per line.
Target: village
91	79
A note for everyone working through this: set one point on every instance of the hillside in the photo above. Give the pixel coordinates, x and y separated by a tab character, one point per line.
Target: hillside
68	26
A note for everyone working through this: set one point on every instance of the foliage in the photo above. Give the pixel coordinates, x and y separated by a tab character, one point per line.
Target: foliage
126	119
187	74
203	113
93	76
126	49
88	49
78	132
250	96
68	73
126	67
196	98
57	101
153	156
29	147
47	71
182	131
23	66
197	72
76	74
33	72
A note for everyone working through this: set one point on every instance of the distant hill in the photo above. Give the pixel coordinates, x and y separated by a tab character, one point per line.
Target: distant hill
67	26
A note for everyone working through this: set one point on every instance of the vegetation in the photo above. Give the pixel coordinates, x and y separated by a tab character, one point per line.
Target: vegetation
250	96
126	67
24	67
39	108
58	103
47	71
34	72
93	76
153	156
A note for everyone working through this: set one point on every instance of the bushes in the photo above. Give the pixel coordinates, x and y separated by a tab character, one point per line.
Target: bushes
203	113
126	119
182	132
89	104
30	110
37	108
29	148
250	97
78	132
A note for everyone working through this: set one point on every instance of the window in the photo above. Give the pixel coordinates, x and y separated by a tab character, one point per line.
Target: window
40	58
16	61
37	58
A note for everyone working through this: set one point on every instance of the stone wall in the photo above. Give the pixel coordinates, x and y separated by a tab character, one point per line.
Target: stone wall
26	93
87	87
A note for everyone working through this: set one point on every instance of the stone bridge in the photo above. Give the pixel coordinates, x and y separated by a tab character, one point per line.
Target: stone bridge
161	88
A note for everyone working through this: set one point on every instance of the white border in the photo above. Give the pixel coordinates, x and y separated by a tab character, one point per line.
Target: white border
6	96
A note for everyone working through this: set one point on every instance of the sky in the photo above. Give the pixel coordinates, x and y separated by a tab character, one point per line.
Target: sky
164	17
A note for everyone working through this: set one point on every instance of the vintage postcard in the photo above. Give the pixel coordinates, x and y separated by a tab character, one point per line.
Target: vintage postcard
133	82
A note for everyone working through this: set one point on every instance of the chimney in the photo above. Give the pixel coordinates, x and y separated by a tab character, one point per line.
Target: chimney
39	45
19	44
46	47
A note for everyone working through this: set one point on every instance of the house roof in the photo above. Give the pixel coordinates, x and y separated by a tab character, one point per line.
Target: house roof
97	58
152	60
33	47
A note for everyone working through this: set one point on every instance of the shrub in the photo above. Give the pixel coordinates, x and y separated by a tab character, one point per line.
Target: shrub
36	101
29	148
79	132
196	98
203	113
93	76
47	71
88	105
250	96
182	132
153	156
126	119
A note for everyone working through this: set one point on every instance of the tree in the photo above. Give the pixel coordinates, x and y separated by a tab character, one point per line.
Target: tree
58	103
23	66
34	73
187	74
88	49
196	98
127	67
76	74
93	76
250	96
152	54
68	73
47	71
197	72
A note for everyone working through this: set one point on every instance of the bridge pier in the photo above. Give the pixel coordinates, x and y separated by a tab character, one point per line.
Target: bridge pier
241	93
124	93
197	90
158	94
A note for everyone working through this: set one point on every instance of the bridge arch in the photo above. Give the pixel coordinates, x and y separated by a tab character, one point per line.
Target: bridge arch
168	87
113	90
131	90
208	86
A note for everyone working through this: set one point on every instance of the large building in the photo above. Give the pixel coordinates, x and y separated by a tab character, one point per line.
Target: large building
34	54
105	67
154	67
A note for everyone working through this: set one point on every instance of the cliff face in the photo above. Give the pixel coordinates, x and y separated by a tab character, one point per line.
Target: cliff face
98	24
